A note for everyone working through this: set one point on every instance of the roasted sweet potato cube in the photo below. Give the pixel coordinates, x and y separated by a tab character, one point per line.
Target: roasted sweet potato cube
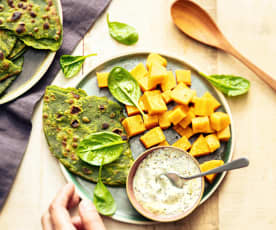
182	95
201	125
200	147
166	95
187	120
139	71
224	134
144	84
153	137
176	115
134	125
208	165
178	129
169	82
142	103
203	106
183	76
155	58
164	121
156	91
164	143
182	143
219	120
187	132
102	79
184	108
213	142
131	110
154	103
214	101
157	74
150	121
181	85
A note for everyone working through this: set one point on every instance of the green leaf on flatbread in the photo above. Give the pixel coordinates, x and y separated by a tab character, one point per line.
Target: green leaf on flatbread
69	115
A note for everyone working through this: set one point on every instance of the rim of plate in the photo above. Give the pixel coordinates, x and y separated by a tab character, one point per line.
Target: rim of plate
180	59
38	74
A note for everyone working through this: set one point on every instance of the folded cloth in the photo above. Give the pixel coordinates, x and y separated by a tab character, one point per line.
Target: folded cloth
15	117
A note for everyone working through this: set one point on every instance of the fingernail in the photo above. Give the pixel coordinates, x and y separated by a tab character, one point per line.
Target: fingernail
86	204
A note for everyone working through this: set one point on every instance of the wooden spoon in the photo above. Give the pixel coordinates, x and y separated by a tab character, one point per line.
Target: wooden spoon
194	21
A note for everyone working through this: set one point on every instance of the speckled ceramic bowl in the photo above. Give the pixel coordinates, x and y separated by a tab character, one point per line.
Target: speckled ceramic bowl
146	213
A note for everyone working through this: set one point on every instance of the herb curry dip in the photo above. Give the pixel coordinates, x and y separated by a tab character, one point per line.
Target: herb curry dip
156	193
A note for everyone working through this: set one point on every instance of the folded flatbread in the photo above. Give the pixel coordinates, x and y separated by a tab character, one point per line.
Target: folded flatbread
36	22
18	49
5	84
69	115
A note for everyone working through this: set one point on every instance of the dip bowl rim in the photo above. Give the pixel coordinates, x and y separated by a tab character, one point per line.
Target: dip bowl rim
139	208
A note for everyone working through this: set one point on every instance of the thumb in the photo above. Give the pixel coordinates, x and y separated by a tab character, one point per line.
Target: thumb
90	218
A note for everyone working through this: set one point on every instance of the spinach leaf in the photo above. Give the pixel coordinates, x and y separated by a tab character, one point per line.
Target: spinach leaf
229	84
122	32
124	87
102	198
95	146
71	65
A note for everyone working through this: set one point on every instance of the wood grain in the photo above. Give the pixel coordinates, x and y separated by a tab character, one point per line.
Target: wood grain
246	199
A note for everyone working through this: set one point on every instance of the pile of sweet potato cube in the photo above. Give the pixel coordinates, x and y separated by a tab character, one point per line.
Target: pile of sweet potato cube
191	114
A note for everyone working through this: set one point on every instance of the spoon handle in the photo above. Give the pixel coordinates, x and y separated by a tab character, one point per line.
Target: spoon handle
235	164
270	81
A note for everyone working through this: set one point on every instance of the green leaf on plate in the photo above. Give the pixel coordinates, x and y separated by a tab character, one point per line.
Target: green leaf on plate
124	87
228	84
122	32
102	145
71	65
103	199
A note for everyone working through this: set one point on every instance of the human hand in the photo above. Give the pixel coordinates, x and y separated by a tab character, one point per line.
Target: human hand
58	217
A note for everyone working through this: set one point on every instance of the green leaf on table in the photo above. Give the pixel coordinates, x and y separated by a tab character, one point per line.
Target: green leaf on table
71	65
228	84
122	32
124	87
102	198
96	146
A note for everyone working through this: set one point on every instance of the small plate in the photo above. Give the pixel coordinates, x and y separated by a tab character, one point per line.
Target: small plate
125	212
36	63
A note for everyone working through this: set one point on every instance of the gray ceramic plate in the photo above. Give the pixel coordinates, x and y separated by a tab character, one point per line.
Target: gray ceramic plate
36	63
125	212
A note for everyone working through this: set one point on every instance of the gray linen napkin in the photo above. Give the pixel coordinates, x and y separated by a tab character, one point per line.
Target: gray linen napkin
15	117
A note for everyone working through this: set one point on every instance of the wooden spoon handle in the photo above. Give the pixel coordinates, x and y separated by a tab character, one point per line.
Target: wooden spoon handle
260	73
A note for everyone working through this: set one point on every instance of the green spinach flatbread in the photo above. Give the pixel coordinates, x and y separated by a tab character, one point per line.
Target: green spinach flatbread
8	68
68	116
7	42
18	49
5	84
34	21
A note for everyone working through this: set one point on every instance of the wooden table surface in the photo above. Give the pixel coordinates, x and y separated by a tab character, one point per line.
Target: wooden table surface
246	199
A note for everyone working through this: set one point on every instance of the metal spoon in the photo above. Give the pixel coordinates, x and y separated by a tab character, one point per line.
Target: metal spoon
179	181
194	21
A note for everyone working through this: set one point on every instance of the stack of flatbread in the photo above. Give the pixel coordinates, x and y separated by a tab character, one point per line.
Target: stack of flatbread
25	23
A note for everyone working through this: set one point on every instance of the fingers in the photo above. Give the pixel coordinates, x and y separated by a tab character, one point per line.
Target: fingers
90	218
76	221
74	200
46	222
64	195
59	214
